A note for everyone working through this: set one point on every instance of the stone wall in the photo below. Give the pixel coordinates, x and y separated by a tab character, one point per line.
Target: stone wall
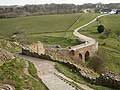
35	49
77	56
74	56
73	59
108	79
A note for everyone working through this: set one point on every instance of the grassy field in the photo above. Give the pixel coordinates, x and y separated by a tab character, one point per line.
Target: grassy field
37	24
13	73
46	28
40	24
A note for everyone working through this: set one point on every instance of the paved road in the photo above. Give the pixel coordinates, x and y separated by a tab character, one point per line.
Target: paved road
51	77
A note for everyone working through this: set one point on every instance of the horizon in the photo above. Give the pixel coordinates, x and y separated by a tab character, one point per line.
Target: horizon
54	3
37	2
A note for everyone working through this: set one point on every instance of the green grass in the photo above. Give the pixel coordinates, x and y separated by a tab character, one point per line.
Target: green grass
35	84
32	70
110	22
69	72
83	19
36	27
63	42
10	73
37	24
13	73
111	58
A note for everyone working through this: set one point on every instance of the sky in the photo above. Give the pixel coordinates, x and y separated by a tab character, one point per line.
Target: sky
23	2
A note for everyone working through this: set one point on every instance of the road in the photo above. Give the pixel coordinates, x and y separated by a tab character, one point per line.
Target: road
88	41
46	71
51	77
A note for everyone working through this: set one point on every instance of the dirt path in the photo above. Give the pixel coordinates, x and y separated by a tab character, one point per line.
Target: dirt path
51	77
88	41
46	72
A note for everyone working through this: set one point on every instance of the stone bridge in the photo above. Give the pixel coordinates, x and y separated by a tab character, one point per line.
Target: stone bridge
87	49
74	54
83	52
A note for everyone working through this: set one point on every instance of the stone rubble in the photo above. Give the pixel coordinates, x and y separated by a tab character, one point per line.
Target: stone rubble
5	56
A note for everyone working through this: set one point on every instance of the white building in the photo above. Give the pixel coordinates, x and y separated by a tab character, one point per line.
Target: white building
108	11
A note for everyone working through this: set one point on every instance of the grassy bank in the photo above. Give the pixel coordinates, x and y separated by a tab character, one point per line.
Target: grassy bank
13	73
32	70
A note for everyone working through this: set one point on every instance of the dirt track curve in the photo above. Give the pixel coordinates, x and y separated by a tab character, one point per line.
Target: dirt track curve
88	41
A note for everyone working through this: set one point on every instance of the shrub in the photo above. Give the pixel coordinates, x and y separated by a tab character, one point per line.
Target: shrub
100	28
97	64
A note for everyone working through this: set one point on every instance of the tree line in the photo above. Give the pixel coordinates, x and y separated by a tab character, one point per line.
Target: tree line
44	9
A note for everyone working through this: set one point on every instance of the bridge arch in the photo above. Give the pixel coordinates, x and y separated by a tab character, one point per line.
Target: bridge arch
72	52
87	55
80	56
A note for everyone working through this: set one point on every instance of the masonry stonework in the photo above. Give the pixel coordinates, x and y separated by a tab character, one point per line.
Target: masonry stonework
63	54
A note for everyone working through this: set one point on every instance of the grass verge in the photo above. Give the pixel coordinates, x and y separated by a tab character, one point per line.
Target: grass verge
32	70
13	73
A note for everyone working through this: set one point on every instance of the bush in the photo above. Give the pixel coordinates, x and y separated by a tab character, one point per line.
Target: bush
100	28
97	64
